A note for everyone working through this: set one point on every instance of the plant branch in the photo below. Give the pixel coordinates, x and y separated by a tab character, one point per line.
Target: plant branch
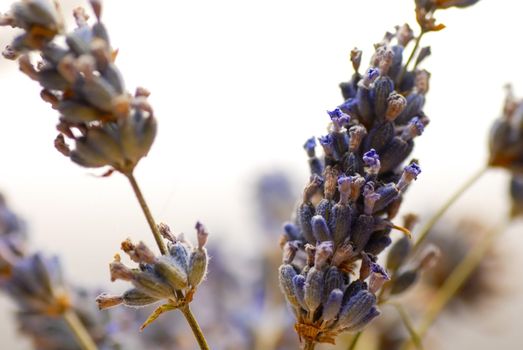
458	276
414	336
411	57
82	336
147	213
355	340
197	331
425	230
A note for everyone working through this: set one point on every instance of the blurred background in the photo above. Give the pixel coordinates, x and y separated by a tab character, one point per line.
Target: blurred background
237	87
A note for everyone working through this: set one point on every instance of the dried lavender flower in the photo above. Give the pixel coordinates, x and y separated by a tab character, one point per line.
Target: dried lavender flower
506	136
350	211
101	124
171	278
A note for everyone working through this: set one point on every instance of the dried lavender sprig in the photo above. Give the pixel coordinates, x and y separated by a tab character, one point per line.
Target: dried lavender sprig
354	193
171	278
107	126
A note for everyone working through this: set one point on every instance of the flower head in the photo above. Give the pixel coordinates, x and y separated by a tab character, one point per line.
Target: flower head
506	136
346	220
101	123
171	278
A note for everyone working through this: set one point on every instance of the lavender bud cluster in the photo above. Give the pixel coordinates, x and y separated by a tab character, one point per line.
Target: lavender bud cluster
100	124
344	219
506	147
171	278
36	284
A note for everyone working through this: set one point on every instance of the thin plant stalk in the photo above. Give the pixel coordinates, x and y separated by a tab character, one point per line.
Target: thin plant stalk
414	336
147	213
411	57
454	282
355	340
197	331
185	309
82	336
424	231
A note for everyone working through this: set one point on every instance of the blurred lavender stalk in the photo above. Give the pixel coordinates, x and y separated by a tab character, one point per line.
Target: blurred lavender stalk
46	303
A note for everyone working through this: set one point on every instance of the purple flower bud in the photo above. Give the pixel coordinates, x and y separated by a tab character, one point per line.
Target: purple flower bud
313	289
298	282
334	279
350	106
341	221
378	277
286	276
413	169
369	77
410	173
309	146
305	213
291	231
398	253
320	229
202	234
327	142
332	306
413	129
363	322
338	118
357	308
371	158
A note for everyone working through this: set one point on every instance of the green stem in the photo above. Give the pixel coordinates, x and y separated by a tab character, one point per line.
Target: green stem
411	57
355	340
197	331
147	213
425	230
82	336
456	279
416	339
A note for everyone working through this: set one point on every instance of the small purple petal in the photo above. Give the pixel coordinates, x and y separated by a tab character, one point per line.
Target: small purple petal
371	158
413	169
